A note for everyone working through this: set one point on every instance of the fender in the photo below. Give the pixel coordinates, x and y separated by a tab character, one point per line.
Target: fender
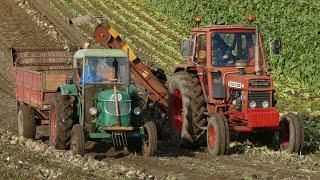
68	89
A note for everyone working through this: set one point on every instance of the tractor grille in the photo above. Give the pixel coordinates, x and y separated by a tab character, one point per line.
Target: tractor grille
125	107
259	83
259	97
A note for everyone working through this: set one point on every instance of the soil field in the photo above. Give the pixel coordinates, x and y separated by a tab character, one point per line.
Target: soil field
21	26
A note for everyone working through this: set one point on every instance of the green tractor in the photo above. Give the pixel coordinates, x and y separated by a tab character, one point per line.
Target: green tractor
98	102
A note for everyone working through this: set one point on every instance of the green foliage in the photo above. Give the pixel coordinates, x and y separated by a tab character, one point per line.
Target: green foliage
296	22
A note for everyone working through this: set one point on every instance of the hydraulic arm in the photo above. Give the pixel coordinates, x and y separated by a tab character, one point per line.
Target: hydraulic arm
108	37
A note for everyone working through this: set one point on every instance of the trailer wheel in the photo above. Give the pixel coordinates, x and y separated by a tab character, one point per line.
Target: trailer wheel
291	134
26	122
217	135
186	111
77	140
61	121
149	147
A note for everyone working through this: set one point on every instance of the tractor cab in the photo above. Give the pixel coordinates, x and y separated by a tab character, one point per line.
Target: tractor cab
102	66
233	60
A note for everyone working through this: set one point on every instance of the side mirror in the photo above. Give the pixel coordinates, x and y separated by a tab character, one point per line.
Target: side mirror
277	46
186	48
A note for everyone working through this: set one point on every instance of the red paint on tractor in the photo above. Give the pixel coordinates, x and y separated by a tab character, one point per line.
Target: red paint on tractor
262	117
212	137
177	112
256	118
242	129
284	137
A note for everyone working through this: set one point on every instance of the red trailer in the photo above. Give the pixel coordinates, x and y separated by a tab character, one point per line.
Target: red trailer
37	75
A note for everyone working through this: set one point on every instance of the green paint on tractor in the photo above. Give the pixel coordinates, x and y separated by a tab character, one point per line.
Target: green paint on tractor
68	89
106	104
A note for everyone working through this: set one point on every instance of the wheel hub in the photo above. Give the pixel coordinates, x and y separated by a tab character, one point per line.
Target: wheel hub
284	135
212	137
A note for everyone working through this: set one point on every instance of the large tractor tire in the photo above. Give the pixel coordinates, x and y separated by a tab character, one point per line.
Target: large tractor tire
26	122
150	147
217	135
291	134
186	109
61	121
77	140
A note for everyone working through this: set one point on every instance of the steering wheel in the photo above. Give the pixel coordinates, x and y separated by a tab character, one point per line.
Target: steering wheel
229	59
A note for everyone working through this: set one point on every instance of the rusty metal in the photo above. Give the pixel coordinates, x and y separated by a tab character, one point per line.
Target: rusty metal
119	128
43	122
35	85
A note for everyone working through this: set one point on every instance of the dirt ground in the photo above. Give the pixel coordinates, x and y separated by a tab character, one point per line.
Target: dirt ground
21	158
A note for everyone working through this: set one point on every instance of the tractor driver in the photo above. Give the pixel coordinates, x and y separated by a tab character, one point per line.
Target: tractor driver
222	53
91	72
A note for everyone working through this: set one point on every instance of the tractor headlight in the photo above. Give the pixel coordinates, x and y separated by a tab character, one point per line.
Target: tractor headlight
93	111
253	104
265	104
137	111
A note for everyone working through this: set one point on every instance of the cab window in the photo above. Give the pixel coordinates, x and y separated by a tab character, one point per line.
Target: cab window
200	49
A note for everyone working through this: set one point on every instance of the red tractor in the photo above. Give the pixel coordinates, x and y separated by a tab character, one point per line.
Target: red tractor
225	87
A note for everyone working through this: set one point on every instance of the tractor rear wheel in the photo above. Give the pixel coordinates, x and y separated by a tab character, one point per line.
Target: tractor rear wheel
217	135
77	140
186	111
26	122
291	134
149	147
61	121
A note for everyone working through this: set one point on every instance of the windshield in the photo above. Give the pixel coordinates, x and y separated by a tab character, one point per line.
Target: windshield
227	48
102	70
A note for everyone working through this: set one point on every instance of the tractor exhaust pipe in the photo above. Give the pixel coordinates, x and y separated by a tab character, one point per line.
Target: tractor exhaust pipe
257	67
79	21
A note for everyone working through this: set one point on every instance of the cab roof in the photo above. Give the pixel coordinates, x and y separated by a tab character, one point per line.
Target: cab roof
222	28
80	54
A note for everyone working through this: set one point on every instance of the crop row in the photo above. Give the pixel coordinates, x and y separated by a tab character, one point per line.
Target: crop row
154	45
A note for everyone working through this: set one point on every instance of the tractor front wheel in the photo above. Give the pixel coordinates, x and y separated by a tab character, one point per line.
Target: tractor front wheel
77	140
26	122
217	135
149	146
291	134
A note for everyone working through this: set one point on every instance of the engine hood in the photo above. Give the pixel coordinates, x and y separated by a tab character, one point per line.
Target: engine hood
108	95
